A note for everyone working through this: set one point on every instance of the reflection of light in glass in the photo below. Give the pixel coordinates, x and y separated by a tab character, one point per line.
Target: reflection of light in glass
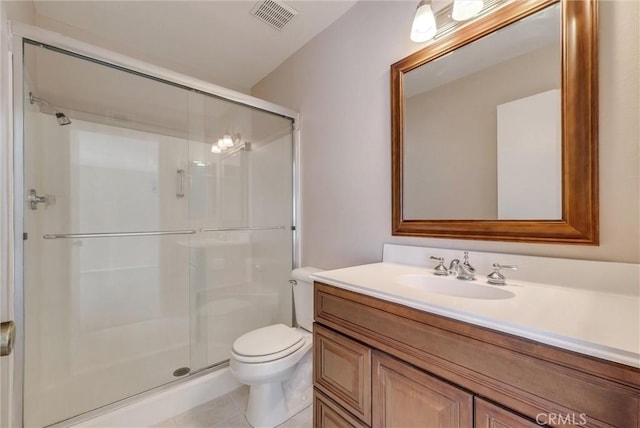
219	147
466	9
199	163
424	23
225	143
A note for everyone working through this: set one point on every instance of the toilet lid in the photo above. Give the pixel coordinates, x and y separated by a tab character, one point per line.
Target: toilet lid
266	341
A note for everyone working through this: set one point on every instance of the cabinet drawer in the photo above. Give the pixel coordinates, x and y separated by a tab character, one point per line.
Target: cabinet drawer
327	414
404	396
488	415
342	370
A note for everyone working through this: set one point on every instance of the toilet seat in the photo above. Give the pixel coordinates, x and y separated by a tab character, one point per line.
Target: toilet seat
267	344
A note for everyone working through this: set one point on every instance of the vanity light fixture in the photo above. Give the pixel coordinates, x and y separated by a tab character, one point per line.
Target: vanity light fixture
424	23
466	9
425	28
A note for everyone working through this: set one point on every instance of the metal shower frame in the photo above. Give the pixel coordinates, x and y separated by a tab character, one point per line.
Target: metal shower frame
18	33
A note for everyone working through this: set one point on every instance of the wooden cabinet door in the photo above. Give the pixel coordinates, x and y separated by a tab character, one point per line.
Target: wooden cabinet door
404	396
488	415
327	414
342	370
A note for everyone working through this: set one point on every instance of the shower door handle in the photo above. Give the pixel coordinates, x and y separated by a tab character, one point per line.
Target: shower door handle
7	337
180	191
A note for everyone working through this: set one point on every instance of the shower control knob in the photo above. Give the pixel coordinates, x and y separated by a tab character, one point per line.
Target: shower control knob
34	199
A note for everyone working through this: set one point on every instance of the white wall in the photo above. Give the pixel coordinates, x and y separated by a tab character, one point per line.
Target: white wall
19	10
340	83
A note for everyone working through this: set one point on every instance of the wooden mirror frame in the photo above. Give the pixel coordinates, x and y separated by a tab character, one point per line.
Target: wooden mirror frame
579	223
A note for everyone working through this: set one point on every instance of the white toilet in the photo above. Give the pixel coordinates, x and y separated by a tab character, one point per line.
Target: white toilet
276	363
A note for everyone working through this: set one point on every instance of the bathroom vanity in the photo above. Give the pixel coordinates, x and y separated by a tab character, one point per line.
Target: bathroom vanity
388	353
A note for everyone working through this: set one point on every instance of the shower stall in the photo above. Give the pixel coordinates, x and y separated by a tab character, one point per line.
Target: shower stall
157	225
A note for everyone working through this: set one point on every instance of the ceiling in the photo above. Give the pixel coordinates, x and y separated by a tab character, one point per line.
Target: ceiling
217	41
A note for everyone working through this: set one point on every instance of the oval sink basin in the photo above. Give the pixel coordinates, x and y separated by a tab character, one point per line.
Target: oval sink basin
455	287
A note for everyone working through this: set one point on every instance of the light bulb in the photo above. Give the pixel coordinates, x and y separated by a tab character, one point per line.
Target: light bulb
424	23
215	148
227	140
466	9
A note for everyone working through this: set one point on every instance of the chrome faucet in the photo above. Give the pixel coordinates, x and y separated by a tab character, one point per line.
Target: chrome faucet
464	270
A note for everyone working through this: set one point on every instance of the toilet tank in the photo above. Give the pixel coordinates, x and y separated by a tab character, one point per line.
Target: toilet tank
303	296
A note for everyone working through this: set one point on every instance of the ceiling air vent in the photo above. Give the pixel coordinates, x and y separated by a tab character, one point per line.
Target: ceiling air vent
274	12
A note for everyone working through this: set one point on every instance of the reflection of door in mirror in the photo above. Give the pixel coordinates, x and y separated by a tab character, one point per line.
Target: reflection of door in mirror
482	128
529	156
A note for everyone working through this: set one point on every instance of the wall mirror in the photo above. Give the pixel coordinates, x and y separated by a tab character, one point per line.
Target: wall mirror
494	128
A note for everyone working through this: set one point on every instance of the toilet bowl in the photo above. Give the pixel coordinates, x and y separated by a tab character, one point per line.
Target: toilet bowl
276	363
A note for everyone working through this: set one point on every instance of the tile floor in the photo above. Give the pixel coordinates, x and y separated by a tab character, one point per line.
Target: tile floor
227	411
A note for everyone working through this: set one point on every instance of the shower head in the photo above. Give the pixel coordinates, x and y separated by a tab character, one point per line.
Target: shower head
61	118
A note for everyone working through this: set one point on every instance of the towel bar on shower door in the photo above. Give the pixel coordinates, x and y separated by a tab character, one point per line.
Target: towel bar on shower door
118	234
227	229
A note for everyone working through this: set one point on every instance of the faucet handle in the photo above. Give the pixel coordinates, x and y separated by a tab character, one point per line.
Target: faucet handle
440	268
496	277
466	262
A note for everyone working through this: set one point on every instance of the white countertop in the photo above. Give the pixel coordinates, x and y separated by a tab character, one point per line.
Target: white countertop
600	324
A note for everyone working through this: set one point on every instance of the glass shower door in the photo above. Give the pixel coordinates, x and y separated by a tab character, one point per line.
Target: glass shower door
158	230
241	258
106	268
